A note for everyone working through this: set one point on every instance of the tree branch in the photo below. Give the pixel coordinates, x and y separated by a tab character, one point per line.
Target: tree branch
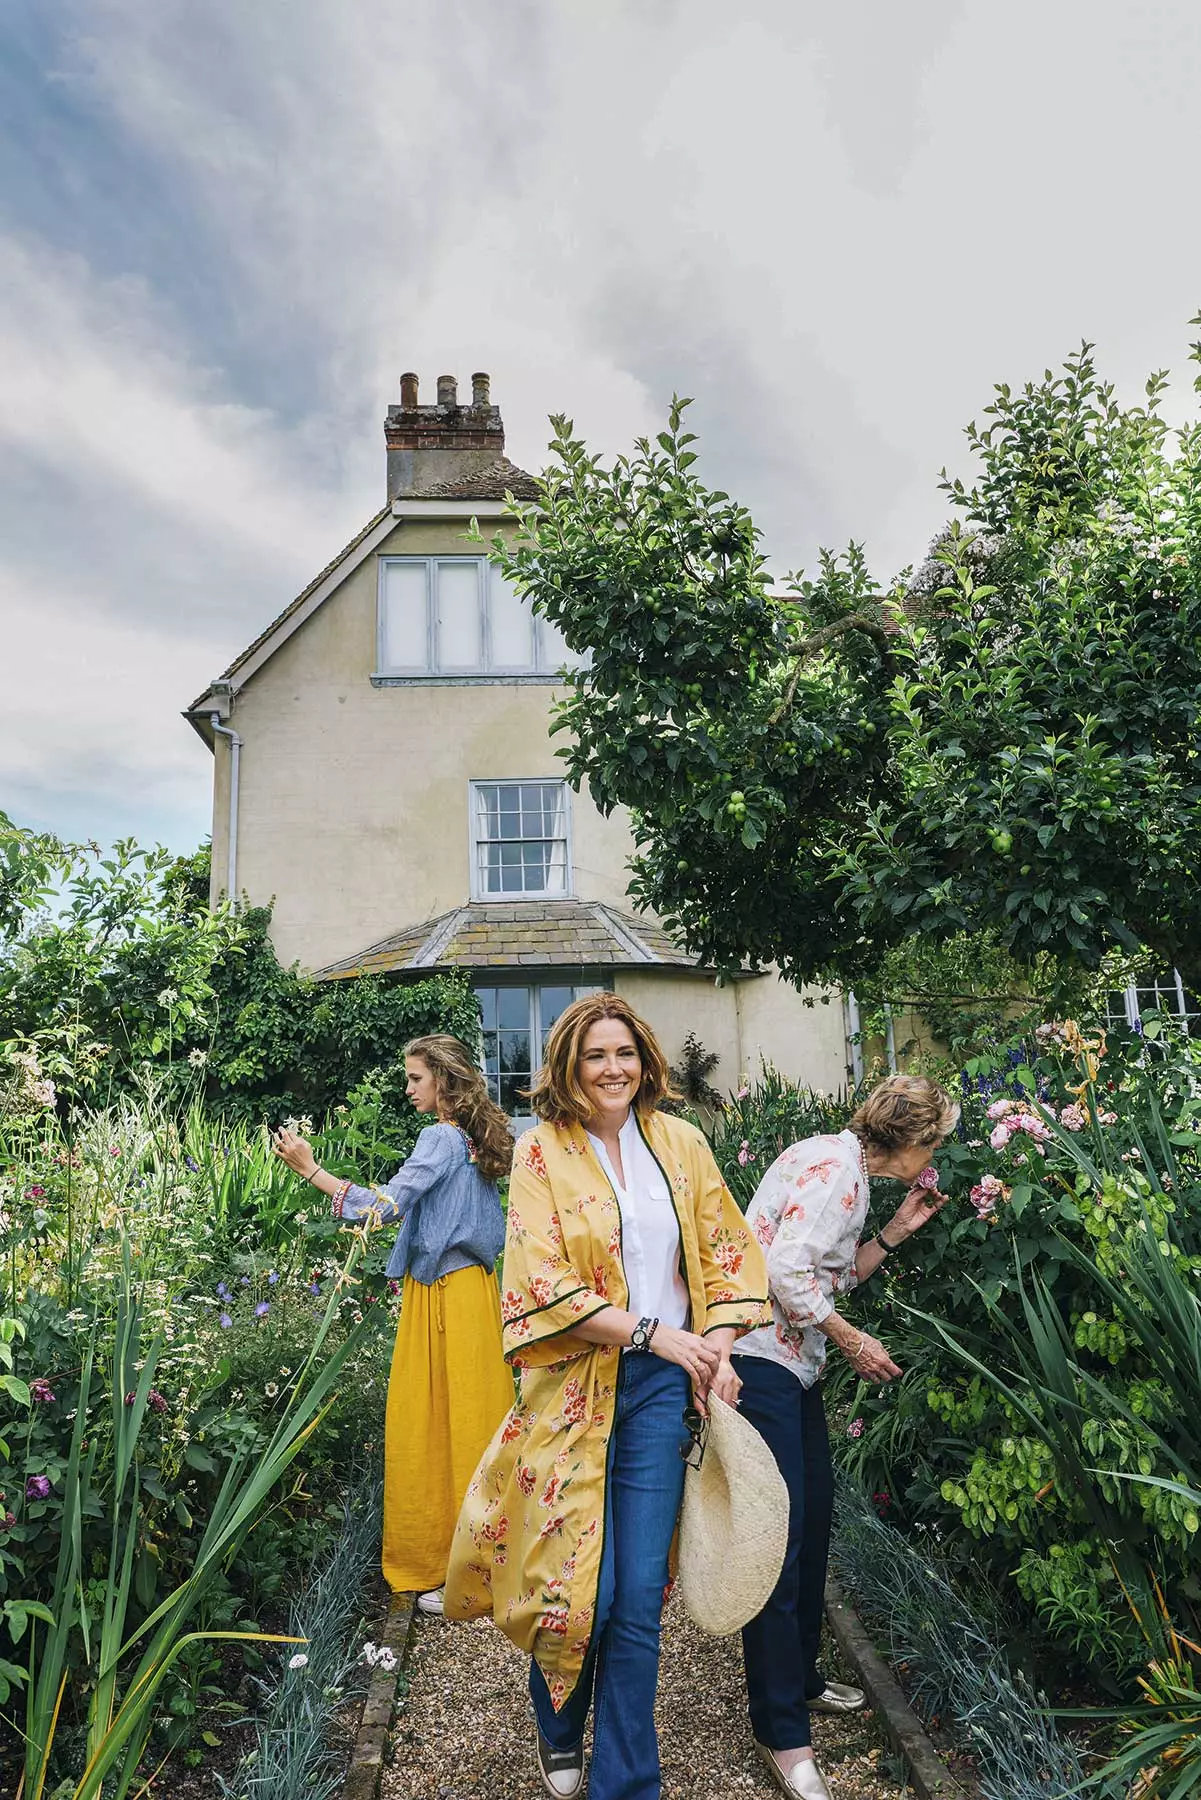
818	640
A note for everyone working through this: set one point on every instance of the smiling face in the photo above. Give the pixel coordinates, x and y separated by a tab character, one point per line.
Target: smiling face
609	1071
420	1085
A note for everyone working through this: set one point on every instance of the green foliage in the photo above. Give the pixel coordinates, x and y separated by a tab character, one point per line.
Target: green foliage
1096	1243
1007	744
175	1360
137	975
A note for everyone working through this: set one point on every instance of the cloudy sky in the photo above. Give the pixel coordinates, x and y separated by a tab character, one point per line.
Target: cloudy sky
226	228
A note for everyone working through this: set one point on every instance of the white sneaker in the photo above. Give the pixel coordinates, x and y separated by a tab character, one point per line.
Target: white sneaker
431	1602
562	1771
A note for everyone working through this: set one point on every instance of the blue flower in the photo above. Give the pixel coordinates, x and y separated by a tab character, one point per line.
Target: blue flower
226	1321
262	1309
272	1277
314	1287
222	1291
191	1162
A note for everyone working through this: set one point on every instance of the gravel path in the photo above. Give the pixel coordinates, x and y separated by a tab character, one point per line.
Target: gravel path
465	1730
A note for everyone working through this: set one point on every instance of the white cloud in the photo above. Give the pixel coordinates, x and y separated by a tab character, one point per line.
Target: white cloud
836	226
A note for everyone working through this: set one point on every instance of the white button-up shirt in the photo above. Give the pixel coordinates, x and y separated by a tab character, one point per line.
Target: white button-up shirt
807	1214
650	1232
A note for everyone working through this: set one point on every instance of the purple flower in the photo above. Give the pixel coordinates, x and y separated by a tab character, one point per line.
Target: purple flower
191	1163
314	1287
272	1277
245	1281
156	1401
262	1309
41	1391
855	1428
225	1321
222	1291
37	1487
35	1192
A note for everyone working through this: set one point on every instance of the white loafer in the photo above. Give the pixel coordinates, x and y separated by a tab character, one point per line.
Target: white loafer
838	1697
804	1781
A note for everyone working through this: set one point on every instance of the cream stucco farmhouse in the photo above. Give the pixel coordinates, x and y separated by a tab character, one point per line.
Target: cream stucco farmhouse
383	771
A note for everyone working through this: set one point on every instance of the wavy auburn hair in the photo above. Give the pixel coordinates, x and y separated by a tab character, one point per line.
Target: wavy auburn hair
556	1094
463	1092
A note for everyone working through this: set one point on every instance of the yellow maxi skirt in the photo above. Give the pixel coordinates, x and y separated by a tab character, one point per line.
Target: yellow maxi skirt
449	1389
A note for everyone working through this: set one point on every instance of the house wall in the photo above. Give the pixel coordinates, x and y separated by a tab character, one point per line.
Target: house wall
353	819
744	1024
353	812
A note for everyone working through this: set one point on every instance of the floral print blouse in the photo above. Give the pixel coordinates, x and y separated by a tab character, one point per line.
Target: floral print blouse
807	1213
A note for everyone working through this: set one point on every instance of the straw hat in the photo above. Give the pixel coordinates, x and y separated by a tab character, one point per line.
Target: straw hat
734	1524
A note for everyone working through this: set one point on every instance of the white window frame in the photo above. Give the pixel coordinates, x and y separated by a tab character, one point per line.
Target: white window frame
1131	996
542	667
478	890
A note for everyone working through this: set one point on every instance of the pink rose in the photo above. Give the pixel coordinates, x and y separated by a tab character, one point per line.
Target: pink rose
998	1137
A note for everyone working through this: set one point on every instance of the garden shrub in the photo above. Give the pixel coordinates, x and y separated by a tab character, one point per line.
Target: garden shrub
1097	1147
110	1237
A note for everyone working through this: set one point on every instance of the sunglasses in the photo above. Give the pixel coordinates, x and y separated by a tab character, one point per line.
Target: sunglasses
697	1427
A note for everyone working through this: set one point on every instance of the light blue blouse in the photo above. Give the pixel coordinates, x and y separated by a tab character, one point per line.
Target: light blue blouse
449	1216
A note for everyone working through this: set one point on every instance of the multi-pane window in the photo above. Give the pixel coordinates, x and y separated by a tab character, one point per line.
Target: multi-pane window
457	615
516	1021
1163	993
520	839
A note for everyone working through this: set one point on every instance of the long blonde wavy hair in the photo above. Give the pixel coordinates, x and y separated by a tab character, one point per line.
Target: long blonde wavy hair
463	1094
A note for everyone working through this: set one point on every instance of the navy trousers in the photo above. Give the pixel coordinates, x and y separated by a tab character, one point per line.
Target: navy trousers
781	1646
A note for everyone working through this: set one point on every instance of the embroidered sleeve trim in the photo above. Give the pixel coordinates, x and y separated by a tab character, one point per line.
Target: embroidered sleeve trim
559	1300
339	1197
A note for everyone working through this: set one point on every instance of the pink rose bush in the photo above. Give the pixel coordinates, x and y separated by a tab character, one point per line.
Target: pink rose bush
987	1194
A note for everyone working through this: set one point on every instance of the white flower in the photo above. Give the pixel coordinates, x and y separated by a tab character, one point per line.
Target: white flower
370	1654
43	1093
198	1058
271	1390
299	1661
168	997
385	1658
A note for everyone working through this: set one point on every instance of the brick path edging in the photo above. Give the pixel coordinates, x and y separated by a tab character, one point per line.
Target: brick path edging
371	1739
929	1776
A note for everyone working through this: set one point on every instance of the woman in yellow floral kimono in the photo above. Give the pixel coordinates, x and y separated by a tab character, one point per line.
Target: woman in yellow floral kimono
628	1275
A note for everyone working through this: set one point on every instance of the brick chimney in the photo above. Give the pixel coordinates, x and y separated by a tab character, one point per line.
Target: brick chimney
430	444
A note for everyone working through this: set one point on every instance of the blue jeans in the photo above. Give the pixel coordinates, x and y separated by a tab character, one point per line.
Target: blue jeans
780	1647
621	1670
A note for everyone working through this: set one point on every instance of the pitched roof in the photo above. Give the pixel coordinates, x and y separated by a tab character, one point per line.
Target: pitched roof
293	605
491	483
520	934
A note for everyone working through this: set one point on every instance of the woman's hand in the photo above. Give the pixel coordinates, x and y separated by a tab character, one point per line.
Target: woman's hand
916	1209
870	1360
690	1352
296	1151
726	1384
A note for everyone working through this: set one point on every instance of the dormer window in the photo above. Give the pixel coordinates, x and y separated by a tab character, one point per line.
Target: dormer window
457	616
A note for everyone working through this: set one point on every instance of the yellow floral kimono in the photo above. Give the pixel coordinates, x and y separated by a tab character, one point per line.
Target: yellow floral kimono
527	1547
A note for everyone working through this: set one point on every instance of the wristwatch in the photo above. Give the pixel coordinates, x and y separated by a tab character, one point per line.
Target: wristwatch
643	1332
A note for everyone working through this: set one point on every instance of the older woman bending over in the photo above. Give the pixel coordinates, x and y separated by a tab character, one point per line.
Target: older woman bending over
808	1213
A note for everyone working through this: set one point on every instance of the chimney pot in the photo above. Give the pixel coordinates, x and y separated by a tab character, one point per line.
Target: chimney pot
480	390
448	389
408	391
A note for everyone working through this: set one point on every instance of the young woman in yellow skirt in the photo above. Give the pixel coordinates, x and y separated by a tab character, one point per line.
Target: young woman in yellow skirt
450	1386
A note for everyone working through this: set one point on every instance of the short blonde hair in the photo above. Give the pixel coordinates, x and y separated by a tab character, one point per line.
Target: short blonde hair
556	1094
905	1110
